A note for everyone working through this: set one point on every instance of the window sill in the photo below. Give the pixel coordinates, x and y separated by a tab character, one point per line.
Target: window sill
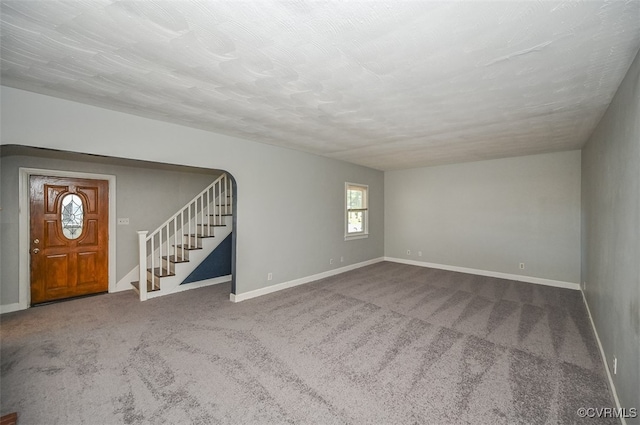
354	237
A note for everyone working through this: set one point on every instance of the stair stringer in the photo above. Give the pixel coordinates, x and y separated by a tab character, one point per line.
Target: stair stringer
172	284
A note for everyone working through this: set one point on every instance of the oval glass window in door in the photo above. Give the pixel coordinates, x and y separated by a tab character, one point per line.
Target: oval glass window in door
72	216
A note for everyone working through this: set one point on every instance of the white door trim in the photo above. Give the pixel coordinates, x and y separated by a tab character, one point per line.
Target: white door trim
24	271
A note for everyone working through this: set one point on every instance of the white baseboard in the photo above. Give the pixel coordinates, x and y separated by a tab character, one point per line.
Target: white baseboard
8	308
290	284
529	279
193	285
604	358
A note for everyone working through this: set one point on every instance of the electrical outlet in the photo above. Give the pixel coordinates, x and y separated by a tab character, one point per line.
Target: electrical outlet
123	221
615	365
269	276
522	266
330	260
408	252
419	253
342	259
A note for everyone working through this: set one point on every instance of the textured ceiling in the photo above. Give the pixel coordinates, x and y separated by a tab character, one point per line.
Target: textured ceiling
386	84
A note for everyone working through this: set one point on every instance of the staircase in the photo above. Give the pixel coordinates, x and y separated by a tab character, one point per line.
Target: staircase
172	251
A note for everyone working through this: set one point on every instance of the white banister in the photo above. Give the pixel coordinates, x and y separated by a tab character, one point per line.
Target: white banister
142	260
156	244
189	224
153	259
226	201
209	233
202	223
182	232
230	197
175	238
215	217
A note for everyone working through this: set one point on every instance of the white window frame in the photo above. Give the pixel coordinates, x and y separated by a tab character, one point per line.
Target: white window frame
365	231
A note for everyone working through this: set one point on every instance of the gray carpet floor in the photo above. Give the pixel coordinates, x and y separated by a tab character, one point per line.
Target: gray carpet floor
384	344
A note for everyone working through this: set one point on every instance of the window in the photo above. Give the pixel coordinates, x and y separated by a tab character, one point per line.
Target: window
72	216
356	225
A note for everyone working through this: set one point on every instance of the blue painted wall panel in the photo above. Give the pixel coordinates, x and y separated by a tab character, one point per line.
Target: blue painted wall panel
217	264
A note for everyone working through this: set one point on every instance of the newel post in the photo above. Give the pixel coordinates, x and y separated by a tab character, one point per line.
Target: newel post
142	262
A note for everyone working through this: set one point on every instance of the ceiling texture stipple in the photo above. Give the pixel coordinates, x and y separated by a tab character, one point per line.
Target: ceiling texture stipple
385	84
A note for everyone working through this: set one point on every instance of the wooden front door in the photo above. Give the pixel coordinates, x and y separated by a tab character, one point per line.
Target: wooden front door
69	237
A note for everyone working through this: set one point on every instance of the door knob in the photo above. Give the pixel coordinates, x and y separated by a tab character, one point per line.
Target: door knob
36	250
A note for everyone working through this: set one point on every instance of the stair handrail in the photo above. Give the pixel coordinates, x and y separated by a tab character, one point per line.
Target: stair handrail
195	198
225	187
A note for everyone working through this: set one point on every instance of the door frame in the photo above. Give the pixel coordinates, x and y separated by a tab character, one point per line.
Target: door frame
24	295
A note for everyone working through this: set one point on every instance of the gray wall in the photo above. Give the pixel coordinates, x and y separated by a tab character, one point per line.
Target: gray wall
490	215
147	194
611	234
290	207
